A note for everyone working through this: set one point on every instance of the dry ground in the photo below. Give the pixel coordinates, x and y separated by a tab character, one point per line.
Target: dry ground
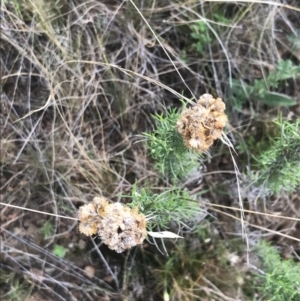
80	80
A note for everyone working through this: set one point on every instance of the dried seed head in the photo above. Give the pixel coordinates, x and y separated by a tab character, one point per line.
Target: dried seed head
100	203
122	228
200	125
86	212
118	226
88	228
88	218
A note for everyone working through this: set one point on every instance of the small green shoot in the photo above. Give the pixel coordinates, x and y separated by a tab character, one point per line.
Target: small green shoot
47	229
60	251
203	35
200	35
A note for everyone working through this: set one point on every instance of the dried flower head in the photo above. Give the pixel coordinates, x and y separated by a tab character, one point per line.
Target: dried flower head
200	125
118	226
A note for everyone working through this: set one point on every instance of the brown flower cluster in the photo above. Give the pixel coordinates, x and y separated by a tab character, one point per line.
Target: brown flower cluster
200	125
118	226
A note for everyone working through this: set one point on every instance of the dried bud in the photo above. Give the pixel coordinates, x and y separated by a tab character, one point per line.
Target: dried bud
200	125
118	226
122	228
88	228
86	212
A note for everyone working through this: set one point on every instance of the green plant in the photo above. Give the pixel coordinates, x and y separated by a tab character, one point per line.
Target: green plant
171	205
281	278
261	89
60	251
294	39
195	129
279	166
15	289
47	229
202	33
18	291
166	147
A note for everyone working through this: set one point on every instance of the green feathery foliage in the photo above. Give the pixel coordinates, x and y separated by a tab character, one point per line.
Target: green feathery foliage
172	205
281	281
167	148
279	166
